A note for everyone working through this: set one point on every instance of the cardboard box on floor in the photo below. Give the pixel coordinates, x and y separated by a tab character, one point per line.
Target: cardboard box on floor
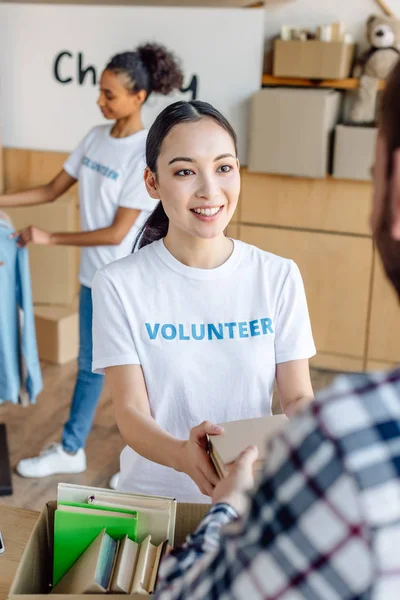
353	153
291	131
54	270
313	59
32	576
57	332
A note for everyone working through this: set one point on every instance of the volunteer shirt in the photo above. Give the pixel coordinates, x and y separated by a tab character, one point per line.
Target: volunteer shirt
208	341
110	174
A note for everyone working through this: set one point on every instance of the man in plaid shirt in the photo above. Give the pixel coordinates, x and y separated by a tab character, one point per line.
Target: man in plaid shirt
324	523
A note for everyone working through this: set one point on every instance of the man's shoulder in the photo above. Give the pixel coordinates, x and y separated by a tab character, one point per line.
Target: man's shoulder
354	411
362	390
356	405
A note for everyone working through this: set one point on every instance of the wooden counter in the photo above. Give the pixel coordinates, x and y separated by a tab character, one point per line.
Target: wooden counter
16	525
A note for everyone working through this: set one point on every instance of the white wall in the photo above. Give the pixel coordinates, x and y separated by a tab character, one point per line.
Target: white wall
311	13
39	112
223	46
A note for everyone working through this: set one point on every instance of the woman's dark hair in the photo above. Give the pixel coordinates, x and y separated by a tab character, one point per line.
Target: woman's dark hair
150	67
156	226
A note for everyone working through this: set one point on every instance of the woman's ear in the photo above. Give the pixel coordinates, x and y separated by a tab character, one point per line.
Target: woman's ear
150	181
138	98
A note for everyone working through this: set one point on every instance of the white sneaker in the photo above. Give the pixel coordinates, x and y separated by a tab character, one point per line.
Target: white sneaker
53	459
114	481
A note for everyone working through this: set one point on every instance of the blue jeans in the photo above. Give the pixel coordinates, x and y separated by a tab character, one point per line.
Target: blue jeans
88	385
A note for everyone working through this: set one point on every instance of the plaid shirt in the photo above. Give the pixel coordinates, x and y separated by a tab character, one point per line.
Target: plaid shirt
324	523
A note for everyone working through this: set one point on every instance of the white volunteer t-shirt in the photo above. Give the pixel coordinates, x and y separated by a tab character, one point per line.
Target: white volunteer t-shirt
110	174
208	341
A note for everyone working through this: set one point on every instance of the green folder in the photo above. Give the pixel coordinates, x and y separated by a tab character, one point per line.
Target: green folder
75	531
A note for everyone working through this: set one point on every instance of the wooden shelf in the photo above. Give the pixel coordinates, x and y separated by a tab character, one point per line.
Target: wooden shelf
339	84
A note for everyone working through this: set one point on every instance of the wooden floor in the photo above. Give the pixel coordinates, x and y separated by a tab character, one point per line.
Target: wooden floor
29	429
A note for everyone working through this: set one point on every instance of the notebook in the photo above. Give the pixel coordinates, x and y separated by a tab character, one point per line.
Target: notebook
238	435
148	563
76	527
91	573
124	567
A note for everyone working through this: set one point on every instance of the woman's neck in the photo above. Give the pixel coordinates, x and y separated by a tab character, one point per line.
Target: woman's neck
127	126
198	253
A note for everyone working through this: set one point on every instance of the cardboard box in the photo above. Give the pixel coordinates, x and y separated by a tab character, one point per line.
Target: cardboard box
313	59
354	151
291	131
57	333
32	575
54	269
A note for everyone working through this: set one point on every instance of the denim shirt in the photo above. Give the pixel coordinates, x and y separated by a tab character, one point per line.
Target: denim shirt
17	336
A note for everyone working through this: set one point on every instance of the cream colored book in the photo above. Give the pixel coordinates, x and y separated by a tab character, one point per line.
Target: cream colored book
152	520
92	572
218	462
238	435
147	565
125	567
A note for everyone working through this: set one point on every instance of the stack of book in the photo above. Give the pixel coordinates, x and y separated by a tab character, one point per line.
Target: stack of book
107	541
238	435
109	565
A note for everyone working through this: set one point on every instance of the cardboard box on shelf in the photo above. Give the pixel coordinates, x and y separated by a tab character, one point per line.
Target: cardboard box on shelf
313	59
57	333
54	270
353	152
32	575
291	130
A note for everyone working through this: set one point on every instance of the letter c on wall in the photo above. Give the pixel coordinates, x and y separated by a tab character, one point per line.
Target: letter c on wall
56	67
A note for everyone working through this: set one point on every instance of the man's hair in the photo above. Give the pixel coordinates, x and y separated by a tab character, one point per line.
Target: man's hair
389	123
390	114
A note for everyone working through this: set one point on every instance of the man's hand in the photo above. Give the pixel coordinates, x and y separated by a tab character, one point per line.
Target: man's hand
232	489
32	235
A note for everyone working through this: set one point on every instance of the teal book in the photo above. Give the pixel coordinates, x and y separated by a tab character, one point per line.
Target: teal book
77	525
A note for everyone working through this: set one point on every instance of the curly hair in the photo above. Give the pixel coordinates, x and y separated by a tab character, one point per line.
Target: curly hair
150	67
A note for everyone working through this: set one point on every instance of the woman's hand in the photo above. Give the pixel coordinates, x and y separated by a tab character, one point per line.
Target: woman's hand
233	488
32	235
194	459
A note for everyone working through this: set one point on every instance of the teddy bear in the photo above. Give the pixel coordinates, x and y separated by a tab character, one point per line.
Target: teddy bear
383	34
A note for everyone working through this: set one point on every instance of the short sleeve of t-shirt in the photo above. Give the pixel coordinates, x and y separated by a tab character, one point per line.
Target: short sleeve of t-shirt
134	193
113	344
293	334
73	163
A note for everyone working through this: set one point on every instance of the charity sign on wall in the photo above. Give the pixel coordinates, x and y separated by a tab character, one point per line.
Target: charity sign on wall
52	57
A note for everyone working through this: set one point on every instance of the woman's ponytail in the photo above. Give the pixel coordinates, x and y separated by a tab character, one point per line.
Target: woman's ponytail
155	228
150	67
164	70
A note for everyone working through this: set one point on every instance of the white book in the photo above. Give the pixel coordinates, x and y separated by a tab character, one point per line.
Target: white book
156	515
